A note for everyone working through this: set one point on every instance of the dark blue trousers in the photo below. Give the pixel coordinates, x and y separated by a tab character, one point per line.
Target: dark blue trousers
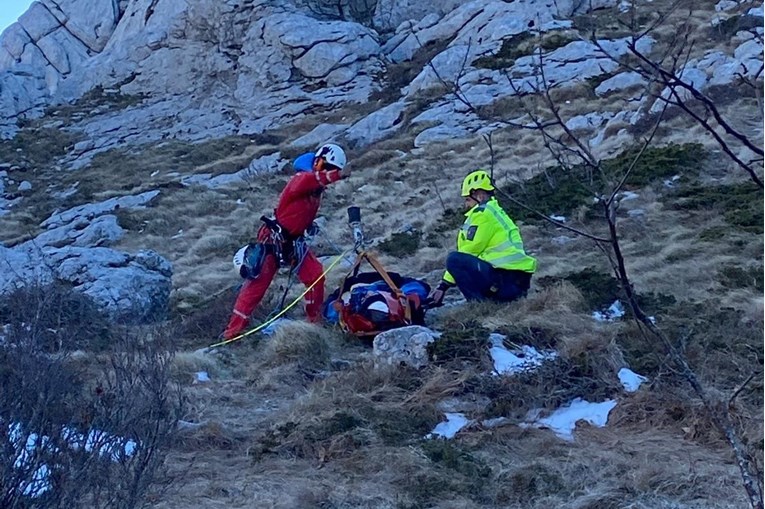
479	280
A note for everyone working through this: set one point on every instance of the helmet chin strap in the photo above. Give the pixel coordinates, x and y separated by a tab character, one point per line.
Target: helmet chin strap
475	198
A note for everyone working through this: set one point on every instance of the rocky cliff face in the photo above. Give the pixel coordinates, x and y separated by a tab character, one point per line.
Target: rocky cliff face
207	68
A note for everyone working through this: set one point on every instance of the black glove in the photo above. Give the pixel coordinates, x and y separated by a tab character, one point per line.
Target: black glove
436	298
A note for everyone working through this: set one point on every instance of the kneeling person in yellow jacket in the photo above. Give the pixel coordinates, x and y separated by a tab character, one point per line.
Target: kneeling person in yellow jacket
490	262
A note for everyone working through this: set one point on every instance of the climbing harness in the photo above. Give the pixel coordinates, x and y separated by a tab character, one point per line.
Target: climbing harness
282	312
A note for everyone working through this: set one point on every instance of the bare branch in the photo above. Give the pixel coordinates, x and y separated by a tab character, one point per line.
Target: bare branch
647	142
738	390
551	220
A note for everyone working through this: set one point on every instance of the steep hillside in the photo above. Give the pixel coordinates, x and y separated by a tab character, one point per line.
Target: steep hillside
146	137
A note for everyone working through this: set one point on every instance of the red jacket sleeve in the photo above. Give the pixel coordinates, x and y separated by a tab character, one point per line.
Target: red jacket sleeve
308	182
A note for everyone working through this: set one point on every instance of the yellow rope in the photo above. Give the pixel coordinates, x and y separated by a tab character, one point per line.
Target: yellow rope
281	313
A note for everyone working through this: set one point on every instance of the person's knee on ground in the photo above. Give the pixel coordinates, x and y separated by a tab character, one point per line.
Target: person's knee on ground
459	266
471	275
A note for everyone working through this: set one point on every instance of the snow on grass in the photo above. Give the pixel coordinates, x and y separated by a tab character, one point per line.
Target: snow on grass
614	312
106	445
449	428
509	362
631	380
563	420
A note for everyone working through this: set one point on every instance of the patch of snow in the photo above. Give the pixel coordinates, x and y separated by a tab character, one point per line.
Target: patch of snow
627	195
631	380
757	11
103	443
508	362
615	311
671	182
560	219
563	420
178	235
449	428
202	377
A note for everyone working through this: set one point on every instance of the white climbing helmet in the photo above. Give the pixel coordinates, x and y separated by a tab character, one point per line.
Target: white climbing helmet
332	154
239	258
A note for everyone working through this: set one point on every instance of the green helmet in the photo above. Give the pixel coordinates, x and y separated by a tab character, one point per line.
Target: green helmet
478	179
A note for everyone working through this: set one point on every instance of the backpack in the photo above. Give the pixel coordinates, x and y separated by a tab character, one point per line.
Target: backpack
368	303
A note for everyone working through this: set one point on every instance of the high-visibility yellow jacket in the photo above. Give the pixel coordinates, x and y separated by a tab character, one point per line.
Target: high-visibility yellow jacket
490	234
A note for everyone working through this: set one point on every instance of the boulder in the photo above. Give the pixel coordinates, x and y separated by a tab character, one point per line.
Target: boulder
620	82
377	125
130	288
81	232
405	345
91	210
319	135
264	165
390	14
38	21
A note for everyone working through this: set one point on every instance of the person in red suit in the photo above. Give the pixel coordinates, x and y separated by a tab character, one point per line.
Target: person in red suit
280	240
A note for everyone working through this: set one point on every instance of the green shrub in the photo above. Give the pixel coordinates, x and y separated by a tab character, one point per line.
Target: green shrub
460	342
36	147
451	220
401	244
454	472
735	276
512	48
561	191
62	318
451	455
656	163
397	76
398	426
741	205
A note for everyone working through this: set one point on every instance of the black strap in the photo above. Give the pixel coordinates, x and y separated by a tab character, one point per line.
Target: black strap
271	224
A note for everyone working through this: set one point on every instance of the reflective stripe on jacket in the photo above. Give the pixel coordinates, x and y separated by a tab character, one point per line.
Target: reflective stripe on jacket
490	234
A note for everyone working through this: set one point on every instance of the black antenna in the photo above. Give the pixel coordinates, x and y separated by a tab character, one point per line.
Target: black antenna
354	221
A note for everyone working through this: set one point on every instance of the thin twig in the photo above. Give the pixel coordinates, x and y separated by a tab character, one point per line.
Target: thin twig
551	220
638	156
738	390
